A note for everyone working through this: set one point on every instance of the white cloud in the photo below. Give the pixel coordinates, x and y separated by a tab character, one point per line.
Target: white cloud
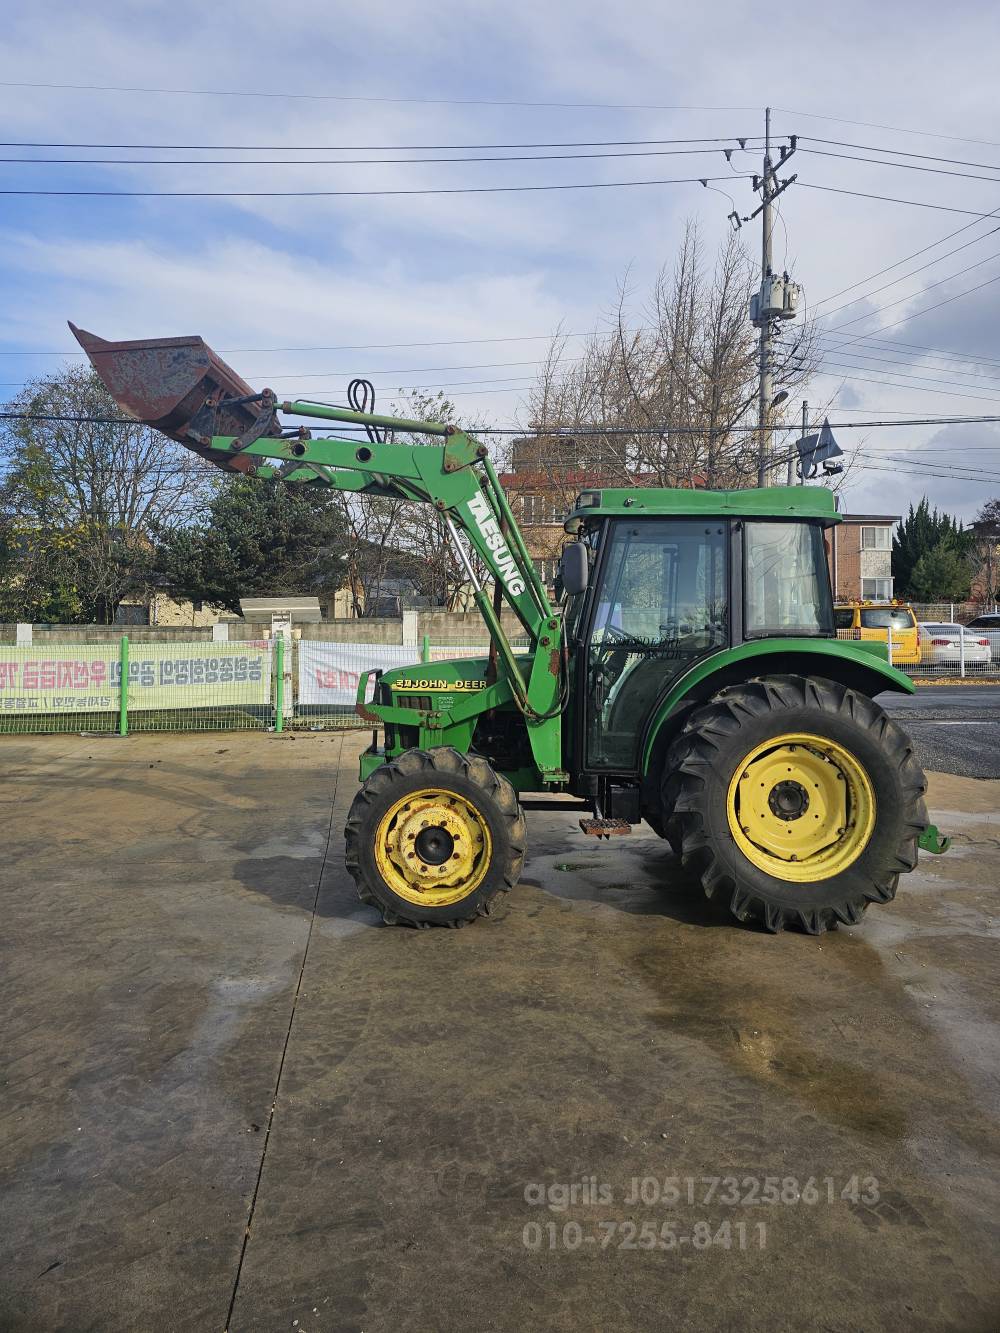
410	268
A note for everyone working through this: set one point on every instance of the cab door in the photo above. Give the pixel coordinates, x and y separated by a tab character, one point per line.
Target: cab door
660	603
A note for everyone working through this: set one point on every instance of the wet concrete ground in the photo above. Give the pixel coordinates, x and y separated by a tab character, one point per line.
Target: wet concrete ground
460	1115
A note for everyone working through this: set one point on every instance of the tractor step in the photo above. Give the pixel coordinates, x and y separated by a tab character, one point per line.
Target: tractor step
605	828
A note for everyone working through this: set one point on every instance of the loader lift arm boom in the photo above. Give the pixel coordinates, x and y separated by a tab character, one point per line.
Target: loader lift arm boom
458	479
183	388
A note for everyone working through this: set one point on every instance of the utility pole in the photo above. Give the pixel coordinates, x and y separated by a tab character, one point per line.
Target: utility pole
778	296
764	397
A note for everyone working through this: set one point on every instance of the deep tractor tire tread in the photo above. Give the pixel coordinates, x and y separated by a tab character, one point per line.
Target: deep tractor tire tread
470	776
700	764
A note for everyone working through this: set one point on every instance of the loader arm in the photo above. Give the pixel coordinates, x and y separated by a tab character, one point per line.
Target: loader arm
458	479
183	388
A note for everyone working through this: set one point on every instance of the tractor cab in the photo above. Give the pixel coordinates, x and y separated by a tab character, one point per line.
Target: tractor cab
674	578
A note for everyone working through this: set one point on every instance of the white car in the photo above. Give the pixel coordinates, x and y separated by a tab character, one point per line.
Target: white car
988	627
940	645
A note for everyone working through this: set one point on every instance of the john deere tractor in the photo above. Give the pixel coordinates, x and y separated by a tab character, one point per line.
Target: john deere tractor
690	675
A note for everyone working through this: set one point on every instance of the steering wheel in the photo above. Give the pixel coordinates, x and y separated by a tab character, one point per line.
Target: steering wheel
611	656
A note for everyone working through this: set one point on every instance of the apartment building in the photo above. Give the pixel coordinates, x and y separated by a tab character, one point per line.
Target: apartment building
860	553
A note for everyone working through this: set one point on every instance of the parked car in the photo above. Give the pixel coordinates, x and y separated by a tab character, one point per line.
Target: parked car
988	626
873	620
940	645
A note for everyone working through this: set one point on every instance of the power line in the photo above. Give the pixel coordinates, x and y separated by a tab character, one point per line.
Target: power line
935	449
393	370
890	344
896	152
901	166
905	260
926	310
915	388
913	296
976	376
884	411
912	273
369	148
343	97
874	370
874	125
897	471
348	162
892	199
893	343
207	469
367	347
942	468
569	432
355	194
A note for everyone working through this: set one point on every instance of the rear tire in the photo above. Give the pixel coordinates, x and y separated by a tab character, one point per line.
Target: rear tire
837	777
433	837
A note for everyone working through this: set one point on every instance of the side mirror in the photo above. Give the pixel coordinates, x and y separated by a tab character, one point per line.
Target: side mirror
575	568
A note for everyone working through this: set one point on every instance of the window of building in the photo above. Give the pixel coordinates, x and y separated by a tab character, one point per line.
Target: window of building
547	570
876	590
876	539
538	509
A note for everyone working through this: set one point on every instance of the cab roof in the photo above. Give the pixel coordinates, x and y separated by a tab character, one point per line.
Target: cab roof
794	502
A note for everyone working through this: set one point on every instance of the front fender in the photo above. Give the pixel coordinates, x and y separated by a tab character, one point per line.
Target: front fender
861	666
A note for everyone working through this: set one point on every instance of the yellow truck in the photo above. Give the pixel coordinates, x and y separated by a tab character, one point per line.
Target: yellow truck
874	620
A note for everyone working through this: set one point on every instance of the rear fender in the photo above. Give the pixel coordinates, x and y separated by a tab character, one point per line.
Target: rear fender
860	666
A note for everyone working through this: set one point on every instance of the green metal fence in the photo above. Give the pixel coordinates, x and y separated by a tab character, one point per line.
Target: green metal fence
76	687
132	686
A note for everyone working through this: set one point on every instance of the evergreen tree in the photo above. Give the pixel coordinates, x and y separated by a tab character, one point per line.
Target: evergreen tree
920	533
941	574
258	537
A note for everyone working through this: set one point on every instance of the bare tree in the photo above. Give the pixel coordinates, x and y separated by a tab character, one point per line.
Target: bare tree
984	552
84	493
392	538
677	389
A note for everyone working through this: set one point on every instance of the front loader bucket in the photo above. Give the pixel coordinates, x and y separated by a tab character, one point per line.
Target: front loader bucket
180	387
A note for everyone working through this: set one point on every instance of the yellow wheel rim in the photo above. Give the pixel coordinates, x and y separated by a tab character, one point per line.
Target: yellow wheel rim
801	808
433	848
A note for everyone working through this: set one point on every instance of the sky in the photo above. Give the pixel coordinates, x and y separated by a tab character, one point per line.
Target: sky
483	280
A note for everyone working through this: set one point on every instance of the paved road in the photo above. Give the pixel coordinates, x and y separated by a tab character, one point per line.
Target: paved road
232	1099
955	729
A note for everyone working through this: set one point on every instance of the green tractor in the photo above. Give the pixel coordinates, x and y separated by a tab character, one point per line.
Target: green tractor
690	676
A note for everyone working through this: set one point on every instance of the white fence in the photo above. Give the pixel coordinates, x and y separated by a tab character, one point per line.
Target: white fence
974	654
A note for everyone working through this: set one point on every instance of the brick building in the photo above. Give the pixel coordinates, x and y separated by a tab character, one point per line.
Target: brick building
860	553
545	476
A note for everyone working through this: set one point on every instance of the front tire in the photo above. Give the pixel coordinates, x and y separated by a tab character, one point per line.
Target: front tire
433	837
797	800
